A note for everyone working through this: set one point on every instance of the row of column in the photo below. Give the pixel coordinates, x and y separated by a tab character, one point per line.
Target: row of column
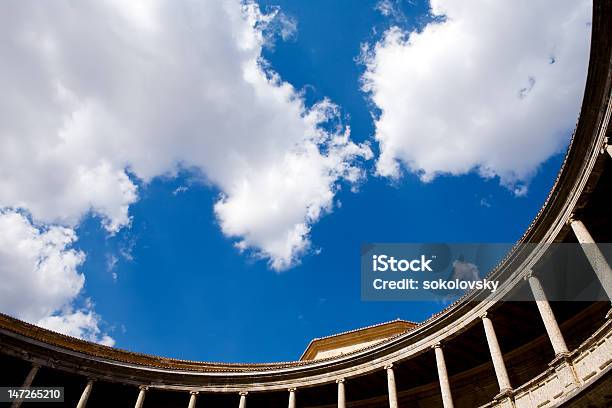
604	274
445	389
194	394
27	383
392	389
597	261
441	365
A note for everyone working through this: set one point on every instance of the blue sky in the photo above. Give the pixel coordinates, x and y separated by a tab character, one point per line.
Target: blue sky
190	294
162	270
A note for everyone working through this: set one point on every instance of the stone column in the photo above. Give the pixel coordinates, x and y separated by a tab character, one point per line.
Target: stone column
594	255
391	386
243	395
85	394
291	397
193	395
26	384
562	364
609	150
548	317
445	390
141	396
496	356
341	394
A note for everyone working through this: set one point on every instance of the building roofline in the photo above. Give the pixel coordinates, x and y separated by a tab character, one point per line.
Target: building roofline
344	333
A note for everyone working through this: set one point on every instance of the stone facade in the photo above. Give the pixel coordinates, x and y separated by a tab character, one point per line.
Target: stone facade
354	340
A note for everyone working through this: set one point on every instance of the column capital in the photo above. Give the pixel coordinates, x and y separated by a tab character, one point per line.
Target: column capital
605	145
504	393
389	366
564	356
243	393
528	275
485	315
339	380
143	387
293	389
571	219
194	392
437	345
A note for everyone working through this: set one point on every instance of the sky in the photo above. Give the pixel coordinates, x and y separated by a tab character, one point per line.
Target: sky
195	179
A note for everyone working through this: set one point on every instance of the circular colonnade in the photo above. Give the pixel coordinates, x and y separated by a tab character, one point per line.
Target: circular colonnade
474	353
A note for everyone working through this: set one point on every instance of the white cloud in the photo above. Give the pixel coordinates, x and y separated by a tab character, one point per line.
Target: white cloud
111	265
82	324
294	192
493	87
385	7
392	9
94	90
484	202
463	270
39	277
179	190
278	23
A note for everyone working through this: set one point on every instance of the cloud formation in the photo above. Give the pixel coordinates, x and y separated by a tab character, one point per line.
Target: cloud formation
39	271
492	87
97	91
82	324
39	277
98	96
